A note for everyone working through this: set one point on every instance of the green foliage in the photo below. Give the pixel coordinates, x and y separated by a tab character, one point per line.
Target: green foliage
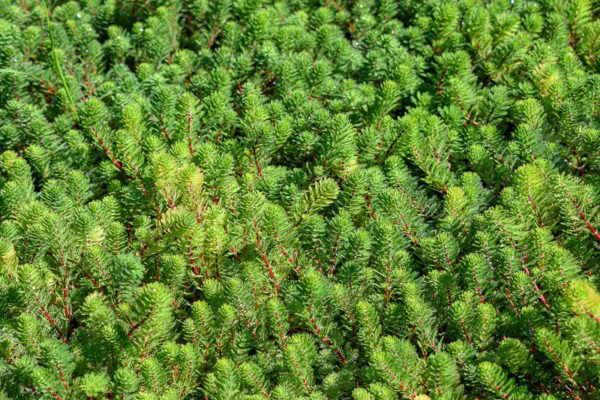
248	199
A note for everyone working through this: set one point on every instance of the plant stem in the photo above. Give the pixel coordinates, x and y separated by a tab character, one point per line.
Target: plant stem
56	61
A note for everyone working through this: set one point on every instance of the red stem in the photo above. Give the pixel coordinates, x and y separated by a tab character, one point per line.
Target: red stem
87	275
48	317
368	201
189	119
265	260
107	151
590	227
326	339
194	268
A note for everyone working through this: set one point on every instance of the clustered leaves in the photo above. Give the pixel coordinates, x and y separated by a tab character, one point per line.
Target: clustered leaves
300	199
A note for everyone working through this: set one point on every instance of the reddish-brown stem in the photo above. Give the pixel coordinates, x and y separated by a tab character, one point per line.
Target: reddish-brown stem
332	262
48	86
62	378
94	282
407	229
468	116
136	326
258	168
88	82
129	236
368	201
248	322
590	227
48	317
285	253
189	125
265	260
478	289
211	41
341	10
540	294
465	331
400	384
440	84
133	328
194	268
533	282
325	338
169	200
572	39
107	151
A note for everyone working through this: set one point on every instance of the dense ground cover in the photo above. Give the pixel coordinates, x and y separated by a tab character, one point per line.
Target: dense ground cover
245	199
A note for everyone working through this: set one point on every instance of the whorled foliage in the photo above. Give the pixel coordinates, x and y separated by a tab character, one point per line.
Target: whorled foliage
299	199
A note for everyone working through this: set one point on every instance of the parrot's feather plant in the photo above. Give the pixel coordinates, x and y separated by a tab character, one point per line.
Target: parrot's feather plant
299	199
